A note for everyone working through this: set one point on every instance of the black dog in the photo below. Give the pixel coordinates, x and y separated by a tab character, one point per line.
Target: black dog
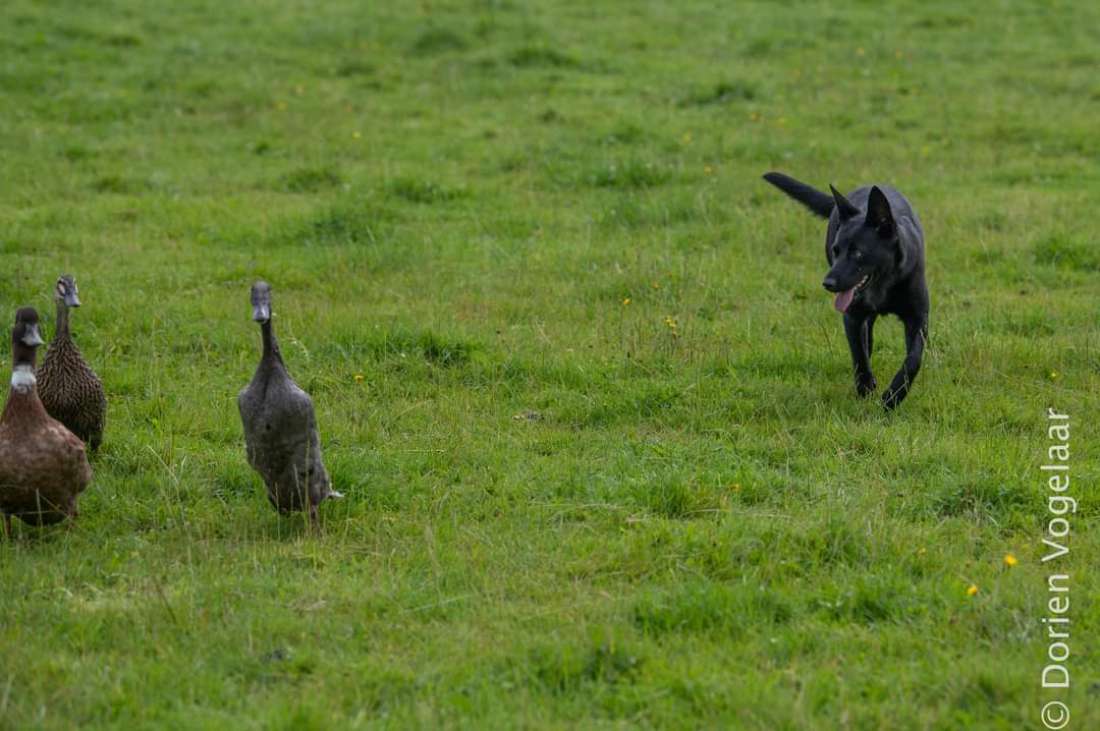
875	247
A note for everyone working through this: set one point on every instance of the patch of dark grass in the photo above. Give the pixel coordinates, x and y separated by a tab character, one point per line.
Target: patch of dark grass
1060	250
541	56
76	153
645	402
400	343
310	180
707	606
118	185
1033	323
870	599
438	40
354	67
236	482
978	498
724	92
835	543
564	668
634	213
624	133
630	175
123	40
669	497
349	222
424	192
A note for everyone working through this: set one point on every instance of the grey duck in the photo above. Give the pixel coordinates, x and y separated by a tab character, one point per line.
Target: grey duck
43	467
70	390
280	429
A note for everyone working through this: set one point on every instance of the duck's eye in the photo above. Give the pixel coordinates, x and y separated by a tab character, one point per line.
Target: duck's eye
857	255
836	250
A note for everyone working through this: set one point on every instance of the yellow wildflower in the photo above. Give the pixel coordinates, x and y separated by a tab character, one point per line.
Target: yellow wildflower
1010	560
972	590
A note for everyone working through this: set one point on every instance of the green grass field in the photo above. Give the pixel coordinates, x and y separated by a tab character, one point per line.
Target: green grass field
571	359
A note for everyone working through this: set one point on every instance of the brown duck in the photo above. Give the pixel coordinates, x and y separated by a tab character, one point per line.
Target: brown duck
70	390
43	467
280	429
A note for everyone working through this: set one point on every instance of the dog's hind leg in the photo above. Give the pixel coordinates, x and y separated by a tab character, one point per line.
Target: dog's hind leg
916	333
857	330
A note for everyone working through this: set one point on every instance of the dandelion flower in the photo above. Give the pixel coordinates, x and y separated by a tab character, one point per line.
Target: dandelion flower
626	301
358	377
972	590
1054	375
1010	560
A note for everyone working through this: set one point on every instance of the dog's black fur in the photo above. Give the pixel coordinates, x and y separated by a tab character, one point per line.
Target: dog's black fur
875	248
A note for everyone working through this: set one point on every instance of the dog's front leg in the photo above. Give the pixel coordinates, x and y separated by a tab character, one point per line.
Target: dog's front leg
869	336
916	332
856	330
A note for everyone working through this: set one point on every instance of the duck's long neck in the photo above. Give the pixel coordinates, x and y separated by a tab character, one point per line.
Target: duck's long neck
23	398
62	320
271	355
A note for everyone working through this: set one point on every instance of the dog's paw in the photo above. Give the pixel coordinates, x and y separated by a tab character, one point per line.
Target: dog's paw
891	398
866	386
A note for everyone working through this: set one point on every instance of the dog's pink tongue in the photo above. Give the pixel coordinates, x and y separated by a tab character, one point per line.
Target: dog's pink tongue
844	299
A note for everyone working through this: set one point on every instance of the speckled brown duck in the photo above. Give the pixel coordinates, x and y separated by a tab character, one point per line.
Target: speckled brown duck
43	465
70	390
280	429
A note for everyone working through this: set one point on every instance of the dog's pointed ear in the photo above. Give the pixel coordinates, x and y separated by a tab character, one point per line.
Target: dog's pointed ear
843	206
879	215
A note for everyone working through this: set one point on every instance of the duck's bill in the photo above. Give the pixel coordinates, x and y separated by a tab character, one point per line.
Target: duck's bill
32	337
261	313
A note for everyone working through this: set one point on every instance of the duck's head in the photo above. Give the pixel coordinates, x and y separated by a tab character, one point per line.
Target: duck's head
25	337
66	291
261	302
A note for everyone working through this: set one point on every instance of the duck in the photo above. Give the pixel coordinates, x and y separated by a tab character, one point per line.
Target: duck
280	427
70	390
43	465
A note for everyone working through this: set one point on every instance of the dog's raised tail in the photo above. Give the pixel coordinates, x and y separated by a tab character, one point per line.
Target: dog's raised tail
818	202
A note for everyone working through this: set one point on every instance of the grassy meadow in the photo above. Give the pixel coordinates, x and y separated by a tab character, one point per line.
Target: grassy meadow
571	359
